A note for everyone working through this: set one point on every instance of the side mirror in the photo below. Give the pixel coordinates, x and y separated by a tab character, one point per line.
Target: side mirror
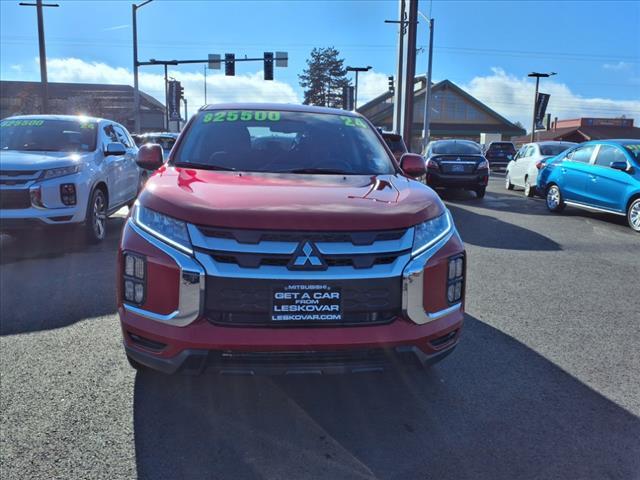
619	166
150	156
413	165
115	148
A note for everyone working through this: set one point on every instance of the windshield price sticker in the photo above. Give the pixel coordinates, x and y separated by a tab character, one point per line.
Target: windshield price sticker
90	126
242	116
353	122
22	123
306	303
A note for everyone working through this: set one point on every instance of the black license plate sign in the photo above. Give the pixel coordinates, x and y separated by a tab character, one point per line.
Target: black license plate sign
306	303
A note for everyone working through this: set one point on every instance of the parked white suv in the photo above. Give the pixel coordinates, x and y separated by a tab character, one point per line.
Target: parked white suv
61	170
523	170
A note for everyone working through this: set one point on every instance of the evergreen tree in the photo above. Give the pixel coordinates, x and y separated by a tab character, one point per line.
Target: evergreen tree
324	78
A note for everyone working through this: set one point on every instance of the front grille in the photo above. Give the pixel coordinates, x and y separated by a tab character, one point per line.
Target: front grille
17	173
257	236
247	302
257	260
14	199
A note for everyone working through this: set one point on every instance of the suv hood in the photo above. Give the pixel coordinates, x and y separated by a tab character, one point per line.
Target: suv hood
29	161
290	201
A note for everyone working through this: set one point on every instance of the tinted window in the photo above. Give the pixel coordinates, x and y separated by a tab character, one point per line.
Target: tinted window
505	147
582	155
41	134
395	143
552	150
530	151
285	142
122	136
608	154
455	148
110	133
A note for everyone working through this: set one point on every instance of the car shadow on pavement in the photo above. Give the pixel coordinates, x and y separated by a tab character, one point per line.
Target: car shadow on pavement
494	409
79	280
490	232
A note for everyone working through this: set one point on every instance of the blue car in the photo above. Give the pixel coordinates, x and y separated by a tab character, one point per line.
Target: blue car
601	175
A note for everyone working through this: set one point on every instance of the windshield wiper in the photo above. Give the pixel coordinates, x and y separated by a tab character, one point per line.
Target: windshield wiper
323	171
204	166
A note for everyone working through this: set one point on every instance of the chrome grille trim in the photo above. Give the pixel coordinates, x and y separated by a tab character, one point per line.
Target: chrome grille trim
199	240
219	269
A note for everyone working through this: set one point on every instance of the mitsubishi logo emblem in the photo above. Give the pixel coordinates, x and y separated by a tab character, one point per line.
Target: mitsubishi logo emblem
307	257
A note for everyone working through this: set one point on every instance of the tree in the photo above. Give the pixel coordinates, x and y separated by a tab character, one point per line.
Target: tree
324	78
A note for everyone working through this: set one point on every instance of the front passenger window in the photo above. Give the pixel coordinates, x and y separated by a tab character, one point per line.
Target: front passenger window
609	154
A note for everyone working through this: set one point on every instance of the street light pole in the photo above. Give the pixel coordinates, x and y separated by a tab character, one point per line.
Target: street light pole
43	52
357	70
537	76
426	126
136	64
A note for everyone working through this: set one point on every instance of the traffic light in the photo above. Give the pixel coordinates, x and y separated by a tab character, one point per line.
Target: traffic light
181	90
392	88
268	65
229	64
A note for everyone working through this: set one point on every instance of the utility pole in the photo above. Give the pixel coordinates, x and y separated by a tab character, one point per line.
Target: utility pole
136	64
537	76
397	101
426	128
410	73
43	52
357	70
186	113
204	67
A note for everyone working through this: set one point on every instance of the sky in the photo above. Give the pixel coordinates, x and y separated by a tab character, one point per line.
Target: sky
485	47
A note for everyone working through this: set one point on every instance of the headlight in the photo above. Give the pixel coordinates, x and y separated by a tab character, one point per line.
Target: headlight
430	232
168	229
59	172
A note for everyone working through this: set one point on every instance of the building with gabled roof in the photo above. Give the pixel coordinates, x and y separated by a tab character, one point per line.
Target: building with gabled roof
454	114
114	102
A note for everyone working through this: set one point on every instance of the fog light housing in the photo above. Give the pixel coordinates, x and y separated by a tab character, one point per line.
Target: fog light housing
134	275
68	193
455	279
35	194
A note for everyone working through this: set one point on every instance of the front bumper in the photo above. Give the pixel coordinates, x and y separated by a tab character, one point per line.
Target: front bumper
51	210
172	332
438	179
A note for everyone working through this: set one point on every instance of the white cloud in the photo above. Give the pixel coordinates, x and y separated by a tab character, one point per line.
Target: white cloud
370	85
17	68
617	66
512	97
240	88
115	27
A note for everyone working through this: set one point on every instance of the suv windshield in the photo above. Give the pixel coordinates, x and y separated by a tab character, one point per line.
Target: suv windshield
552	150
283	142
47	135
456	148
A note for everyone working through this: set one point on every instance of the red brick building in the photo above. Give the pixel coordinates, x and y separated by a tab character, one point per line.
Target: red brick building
585	129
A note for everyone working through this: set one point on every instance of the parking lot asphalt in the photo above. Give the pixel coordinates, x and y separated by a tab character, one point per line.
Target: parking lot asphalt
544	384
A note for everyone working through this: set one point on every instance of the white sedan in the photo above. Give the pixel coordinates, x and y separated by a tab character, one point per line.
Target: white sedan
523	170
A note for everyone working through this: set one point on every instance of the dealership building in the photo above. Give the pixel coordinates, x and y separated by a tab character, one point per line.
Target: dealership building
584	129
114	102
454	114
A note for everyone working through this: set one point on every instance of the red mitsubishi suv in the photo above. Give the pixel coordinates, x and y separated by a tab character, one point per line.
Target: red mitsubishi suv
286	239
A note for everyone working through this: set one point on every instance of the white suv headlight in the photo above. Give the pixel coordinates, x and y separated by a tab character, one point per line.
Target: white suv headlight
430	232
59	172
168	229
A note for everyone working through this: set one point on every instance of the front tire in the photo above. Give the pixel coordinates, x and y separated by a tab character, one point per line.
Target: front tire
529	191
555	202
96	222
633	215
